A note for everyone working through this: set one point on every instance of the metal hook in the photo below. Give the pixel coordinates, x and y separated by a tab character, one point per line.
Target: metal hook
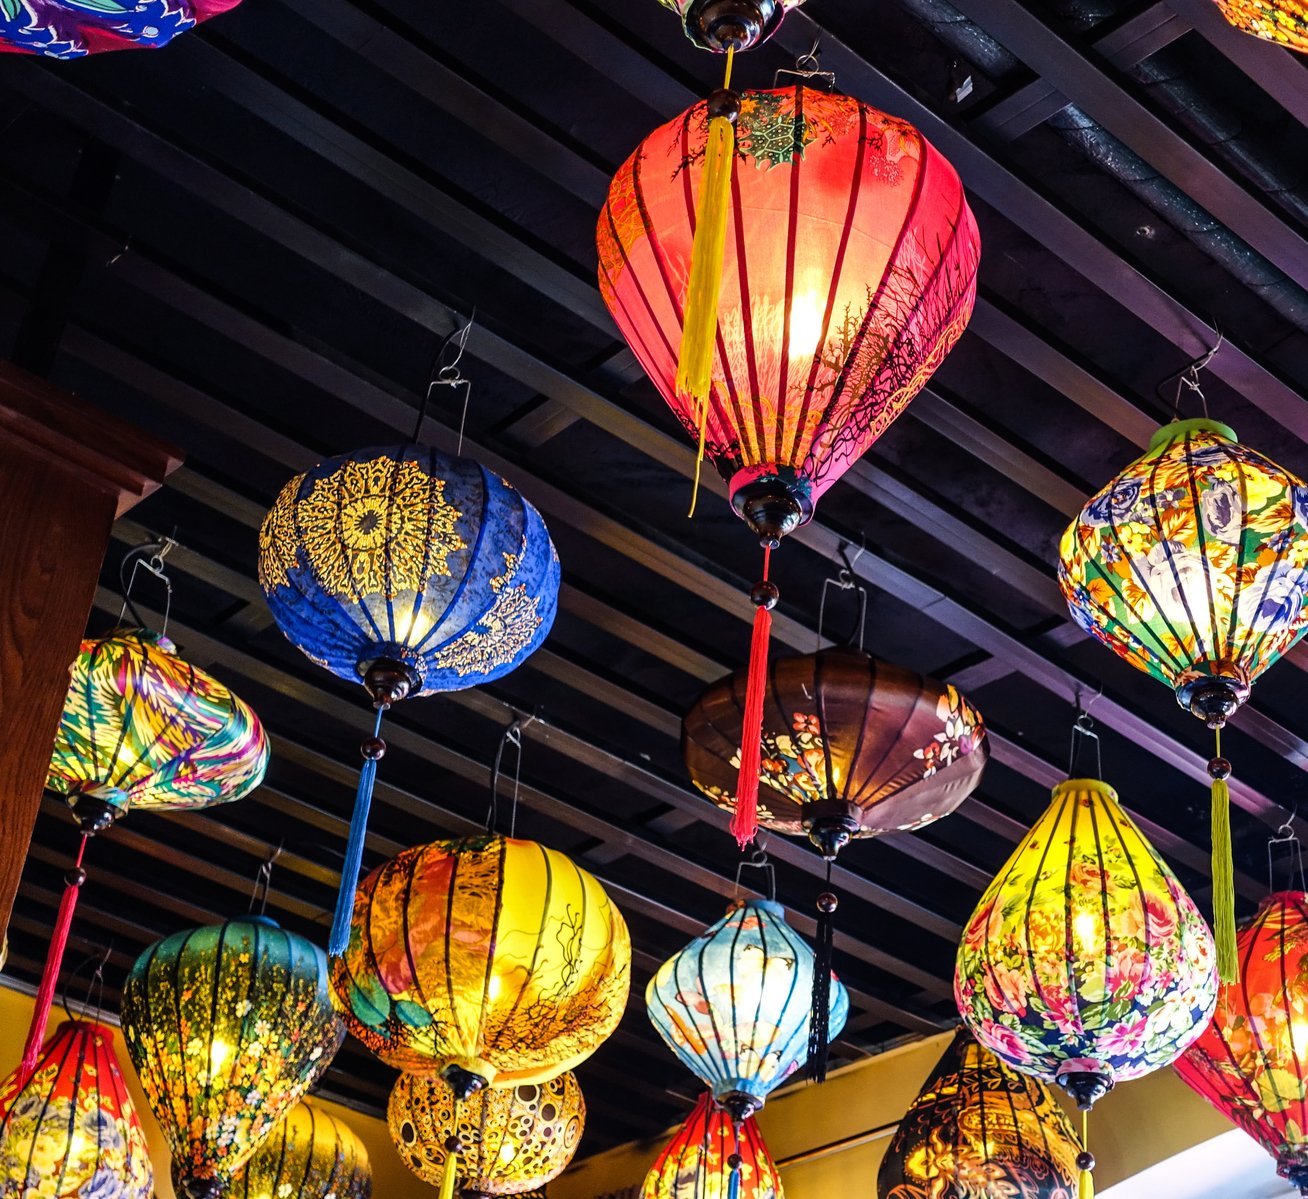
1188	376
94	985
1285	835
512	735
154	564
807	66
846	580
759	860
127	245
1083	727
263	880
445	373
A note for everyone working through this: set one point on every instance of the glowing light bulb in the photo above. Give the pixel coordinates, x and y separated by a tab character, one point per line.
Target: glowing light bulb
507	1153
806	319
1299	1037
1085	928
219	1053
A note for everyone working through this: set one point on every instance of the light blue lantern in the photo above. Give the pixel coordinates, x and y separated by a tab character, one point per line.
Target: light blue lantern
410	571
735	1004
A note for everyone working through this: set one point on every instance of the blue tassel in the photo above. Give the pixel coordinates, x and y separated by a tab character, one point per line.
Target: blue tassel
733	1186
373	751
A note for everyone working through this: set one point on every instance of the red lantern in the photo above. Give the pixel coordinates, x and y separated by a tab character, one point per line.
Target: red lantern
1252	1062
834	267
711	1158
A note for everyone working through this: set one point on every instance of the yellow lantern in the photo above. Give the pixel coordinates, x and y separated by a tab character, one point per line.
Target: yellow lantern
1283	21
311	1155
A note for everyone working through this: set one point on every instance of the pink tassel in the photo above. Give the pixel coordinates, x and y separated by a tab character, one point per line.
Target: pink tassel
744	823
54	961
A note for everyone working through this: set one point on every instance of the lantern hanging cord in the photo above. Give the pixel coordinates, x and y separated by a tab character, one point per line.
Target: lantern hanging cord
807	68
263	881
94	986
1188	377
1285	835
759	860
512	736
1083	729
148	556
845	581
445	373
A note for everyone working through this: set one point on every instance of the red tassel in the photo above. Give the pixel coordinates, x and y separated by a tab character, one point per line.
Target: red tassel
744	824
54	961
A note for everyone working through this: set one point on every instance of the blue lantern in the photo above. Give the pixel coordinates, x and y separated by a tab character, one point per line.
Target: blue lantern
735	1004
413	572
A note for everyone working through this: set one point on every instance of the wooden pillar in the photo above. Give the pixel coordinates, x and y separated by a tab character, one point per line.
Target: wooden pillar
67	470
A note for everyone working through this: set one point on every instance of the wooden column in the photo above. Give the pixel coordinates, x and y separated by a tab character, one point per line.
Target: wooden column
67	471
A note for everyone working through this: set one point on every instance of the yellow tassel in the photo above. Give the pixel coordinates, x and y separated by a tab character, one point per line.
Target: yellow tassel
1086	1187
1228	966
450	1176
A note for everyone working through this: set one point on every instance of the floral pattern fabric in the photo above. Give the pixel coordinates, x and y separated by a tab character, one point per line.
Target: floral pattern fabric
1193	562
310	1155
75	28
696	1162
1085	954
1283	21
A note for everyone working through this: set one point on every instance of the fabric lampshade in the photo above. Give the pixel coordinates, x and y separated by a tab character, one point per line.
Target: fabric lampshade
1283	21
75	28
697	1163
309	1155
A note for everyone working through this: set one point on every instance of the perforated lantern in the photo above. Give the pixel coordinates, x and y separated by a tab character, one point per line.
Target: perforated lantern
75	28
228	1026
1283	21
410	571
1192	565
70	1131
698	1161
1251	1063
487	960
513	1140
309	1155
734	1004
730	24
979	1128
1086	963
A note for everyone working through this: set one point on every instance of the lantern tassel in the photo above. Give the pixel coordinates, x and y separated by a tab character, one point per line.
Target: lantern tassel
699	330
819	1034
1086	1161
744	822
54	961
373	750
453	1147
735	1161
1219	769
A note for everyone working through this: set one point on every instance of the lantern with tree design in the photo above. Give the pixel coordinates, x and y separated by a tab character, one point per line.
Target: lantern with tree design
711	1156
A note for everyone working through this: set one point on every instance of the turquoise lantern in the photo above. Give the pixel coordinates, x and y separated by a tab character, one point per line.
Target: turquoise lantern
735	1004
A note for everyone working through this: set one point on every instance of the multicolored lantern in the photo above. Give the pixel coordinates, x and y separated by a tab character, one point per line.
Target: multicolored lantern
1192	565
501	1142
713	1157
1251	1063
734	1004
789	267
724	25
852	747
310	1155
228	1027
412	572
979	1128
486	960
75	28
1086	963
1283	21
142	730
69	1130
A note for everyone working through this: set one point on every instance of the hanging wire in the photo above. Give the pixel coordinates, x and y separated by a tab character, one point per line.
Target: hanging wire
1083	729
807	68
148	556
1188	377
758	860
263	881
512	736
845	581
445	373
94	986
1285	835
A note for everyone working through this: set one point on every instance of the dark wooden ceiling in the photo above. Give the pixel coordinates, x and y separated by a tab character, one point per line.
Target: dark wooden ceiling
252	243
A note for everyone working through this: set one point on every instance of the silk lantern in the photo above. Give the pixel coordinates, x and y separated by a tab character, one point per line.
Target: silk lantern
496	1142
727	25
1192	565
1251	1063
486	960
75	28
712	1157
310	1155
413	572
790	312
734	1004
1086	963
68	1130
141	730
979	1128
1283	21
228	1026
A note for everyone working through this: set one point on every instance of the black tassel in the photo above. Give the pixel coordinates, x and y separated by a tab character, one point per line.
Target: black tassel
819	1035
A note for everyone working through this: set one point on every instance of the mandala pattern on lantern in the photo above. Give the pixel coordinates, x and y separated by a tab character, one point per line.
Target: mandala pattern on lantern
508	627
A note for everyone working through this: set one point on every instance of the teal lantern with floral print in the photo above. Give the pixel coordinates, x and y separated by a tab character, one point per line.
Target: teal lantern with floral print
1192	565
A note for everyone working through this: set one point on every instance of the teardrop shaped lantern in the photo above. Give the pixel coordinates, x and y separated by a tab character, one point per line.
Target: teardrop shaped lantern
73	29
228	1026
141	730
852	747
734	1004
412	572
1283	21
1251	1063
511	1140
486	960
709	1157
70	1131
1086	963
310	1155
1192	565
790	268
979	1128
723	25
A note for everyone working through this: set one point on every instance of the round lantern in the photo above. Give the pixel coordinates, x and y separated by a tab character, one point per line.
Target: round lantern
412	572
710	1157
486	960
228	1027
1251	1063
70	1131
513	1140
852	747
1086	963
75	28
310	1155
1283	21
723	25
979	1128
734	1004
